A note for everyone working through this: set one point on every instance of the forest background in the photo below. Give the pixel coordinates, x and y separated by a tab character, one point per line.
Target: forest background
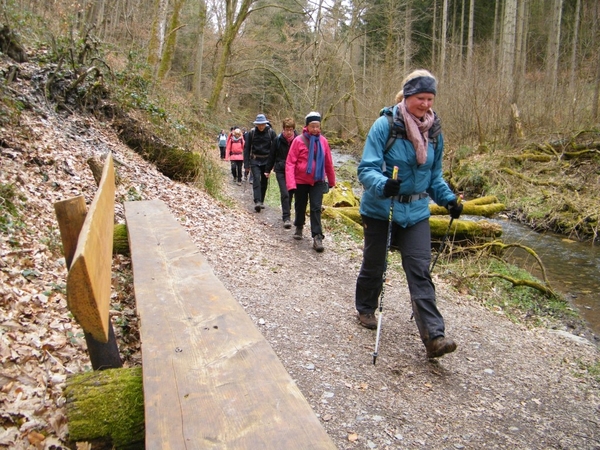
345	58
519	80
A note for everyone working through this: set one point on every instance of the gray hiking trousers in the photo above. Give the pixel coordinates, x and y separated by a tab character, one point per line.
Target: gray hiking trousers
414	244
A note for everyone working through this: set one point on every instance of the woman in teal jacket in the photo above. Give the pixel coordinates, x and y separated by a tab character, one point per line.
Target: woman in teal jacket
417	152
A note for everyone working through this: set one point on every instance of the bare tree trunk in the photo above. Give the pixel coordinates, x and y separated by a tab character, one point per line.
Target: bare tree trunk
197	80
507	62
496	43
596	97
470	37
407	37
157	34
235	16
552	54
316	58
443	31
462	32
434	34
171	41
573	67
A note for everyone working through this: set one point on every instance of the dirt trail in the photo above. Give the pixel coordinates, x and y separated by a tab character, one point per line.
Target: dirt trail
505	386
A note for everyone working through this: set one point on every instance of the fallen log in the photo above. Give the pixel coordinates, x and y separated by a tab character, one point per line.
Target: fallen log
518	282
341	196
460	230
534	157
483	207
529	180
106	406
464	230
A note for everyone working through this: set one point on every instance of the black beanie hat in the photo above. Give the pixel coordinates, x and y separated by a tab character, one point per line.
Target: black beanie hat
313	116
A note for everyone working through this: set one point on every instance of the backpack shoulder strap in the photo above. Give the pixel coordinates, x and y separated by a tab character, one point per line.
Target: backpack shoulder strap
396	131
305	140
435	130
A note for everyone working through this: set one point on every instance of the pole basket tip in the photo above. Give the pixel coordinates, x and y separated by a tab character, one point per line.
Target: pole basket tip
374	357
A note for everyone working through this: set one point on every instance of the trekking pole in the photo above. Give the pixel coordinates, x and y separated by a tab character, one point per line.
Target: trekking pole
387	251
444	239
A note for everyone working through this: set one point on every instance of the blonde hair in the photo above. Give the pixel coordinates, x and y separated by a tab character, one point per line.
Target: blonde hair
414	74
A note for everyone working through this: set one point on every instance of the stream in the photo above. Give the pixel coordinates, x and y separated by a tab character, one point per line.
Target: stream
572	267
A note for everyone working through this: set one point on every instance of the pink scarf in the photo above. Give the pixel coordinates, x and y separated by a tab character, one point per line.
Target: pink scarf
417	131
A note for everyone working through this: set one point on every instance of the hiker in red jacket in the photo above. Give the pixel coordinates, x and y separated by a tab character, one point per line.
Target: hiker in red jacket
235	153
308	165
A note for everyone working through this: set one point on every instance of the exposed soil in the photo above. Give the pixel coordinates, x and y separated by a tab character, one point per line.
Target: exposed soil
505	387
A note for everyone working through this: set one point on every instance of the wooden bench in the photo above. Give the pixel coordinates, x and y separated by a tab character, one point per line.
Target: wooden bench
210	378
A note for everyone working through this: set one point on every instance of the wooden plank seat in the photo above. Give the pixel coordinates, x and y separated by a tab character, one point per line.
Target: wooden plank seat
210	378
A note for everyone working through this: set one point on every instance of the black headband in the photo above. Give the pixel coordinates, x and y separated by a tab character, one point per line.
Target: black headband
419	84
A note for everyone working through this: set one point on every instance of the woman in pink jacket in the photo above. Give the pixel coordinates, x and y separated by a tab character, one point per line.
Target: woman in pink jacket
307	167
234	152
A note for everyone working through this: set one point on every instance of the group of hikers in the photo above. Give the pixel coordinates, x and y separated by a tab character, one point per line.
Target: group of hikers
302	164
400	171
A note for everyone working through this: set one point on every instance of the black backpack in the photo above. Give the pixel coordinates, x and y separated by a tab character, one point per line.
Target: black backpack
399	131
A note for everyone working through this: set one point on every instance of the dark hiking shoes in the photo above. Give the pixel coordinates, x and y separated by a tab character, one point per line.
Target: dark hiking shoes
257	207
298	233
318	243
439	347
368	320
287	224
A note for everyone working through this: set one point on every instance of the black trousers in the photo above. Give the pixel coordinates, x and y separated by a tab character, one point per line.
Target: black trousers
284	196
236	170
306	193
414	244
259	182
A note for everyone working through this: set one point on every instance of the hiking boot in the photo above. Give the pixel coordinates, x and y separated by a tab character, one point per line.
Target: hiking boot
262	205
257	207
439	347
287	224
298	233
318	243
368	320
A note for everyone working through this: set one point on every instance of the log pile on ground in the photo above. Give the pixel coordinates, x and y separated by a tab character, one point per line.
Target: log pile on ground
342	206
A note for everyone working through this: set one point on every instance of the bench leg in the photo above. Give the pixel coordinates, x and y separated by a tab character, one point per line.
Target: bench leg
104	355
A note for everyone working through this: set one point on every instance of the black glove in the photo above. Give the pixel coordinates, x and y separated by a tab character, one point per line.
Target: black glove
391	188
454	208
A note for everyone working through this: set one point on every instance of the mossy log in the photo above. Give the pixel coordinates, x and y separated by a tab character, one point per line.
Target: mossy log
581	154
341	196
499	247
518	282
461	229
107	406
529	180
464	230
350	217
483	206
533	157
120	240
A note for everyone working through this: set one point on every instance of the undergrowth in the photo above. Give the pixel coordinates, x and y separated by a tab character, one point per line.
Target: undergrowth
520	304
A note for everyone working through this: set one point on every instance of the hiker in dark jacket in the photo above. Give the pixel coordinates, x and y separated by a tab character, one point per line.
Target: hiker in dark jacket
277	157
419	161
256	155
